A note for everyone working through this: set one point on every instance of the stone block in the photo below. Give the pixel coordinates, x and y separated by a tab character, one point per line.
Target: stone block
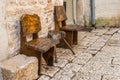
20	67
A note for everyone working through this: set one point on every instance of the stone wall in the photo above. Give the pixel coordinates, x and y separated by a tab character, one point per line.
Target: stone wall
107	12
10	13
3	32
80	11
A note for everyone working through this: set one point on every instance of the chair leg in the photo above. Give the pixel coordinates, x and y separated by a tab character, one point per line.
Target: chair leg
75	37
55	54
48	56
39	63
68	45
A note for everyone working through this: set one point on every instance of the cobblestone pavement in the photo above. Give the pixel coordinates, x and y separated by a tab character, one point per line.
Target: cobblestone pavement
97	58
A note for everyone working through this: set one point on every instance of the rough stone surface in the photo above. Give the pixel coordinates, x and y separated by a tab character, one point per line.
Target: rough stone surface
20	67
111	77
44	77
1	78
10	15
50	71
94	58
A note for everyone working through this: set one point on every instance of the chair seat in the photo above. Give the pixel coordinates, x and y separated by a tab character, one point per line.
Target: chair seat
40	44
56	35
71	28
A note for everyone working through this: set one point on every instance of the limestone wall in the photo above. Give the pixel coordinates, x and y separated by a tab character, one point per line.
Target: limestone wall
3	32
10	13
107	12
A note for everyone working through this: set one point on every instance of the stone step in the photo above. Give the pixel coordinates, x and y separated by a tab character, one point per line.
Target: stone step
20	67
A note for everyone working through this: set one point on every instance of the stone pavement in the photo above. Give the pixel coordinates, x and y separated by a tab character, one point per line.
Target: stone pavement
97	58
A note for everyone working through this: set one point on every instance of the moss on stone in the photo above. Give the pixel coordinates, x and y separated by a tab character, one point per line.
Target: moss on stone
106	22
102	22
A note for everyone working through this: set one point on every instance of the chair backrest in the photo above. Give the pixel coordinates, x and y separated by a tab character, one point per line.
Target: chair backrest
60	14
60	17
30	24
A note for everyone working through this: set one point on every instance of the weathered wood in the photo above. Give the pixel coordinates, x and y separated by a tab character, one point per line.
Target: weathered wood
75	37
30	24
71	30
60	13
61	35
40	44
69	46
69	37
48	56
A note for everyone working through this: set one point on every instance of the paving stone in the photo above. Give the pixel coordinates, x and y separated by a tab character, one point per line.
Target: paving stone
90	34
98	44
104	65
116	70
61	77
102	58
116	61
111	77
85	43
91	51
111	51
82	59
50	70
97	67
72	67
61	63
68	55
111	31
119	31
116	36
82	47
94	48
44	77
100	32
81	35
60	51
68	71
104	38
78	51
85	75
61	74
58	75
113	43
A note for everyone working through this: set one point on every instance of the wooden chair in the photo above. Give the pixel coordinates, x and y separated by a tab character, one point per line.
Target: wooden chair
71	30
30	25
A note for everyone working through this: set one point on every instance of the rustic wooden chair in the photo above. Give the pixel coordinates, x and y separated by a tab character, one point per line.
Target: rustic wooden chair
31	25
71	30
